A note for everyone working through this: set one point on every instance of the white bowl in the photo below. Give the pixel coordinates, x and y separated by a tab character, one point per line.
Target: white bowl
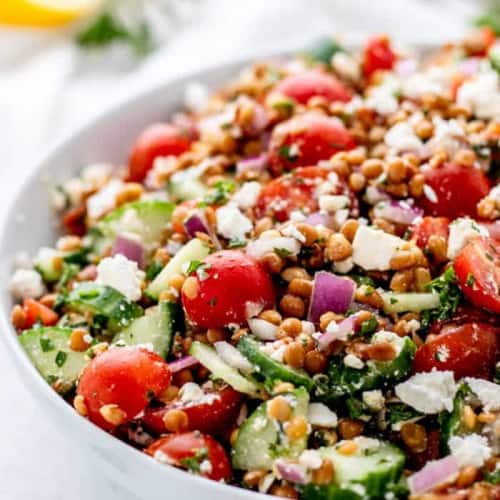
31	223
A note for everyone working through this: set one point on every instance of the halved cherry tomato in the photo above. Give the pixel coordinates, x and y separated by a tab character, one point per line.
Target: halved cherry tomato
302	86
159	139
229	288
487	38
124	376
468	350
458	190
74	220
466	313
427	227
290	192
378	55
477	267
34	312
305	140
194	451
216	412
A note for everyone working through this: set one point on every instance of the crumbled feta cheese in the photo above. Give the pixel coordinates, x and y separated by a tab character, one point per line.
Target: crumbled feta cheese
481	95
448	136
373	249
191	391
58	199
310	459
259	424
122	274
430	194
374	399
297	216
366	443
262	329
75	189
471	450
308	327
292	231
104	200
333	202
428	392
401	137
96	174
353	361
382	98
206	467
320	415
231	223
487	392
247	195
343	266
346	66
430	82
26	283
385	336
412	326
340	217
462	230
196	96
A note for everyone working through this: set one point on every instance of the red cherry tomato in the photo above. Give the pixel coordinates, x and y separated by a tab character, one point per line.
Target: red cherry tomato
290	192
230	286
213	415
429	226
301	87
378	55
160	139
466	313
124	376
477	267
35	312
74	220
305	140
190	450
468	350
458	190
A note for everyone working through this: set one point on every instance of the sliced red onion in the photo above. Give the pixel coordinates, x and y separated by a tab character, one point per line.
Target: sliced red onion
320	219
330	293
196	223
341	332
182	363
128	246
260	247
433	474
400	212
233	357
290	471
252	163
262	329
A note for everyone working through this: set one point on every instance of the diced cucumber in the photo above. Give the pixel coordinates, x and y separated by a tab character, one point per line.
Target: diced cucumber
194	249
270	370
220	369
368	473
48	262
261	440
414	302
186	184
49	351
110	308
157	327
146	219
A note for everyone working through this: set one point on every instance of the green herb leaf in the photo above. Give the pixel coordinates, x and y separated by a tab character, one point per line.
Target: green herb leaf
490	18
61	357
323	50
282	252
193	463
220	195
236	243
46	344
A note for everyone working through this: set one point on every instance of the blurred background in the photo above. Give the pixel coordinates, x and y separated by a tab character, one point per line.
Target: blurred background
62	61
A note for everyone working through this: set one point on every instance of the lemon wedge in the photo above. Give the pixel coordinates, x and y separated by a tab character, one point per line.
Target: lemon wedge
44	13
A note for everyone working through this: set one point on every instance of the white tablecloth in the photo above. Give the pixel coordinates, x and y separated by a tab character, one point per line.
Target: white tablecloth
46	87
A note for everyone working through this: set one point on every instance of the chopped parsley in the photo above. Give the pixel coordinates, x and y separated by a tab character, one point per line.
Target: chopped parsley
470	280
287	152
369	326
285	105
236	242
490	18
193	463
61	357
193	266
46	344
282	252
153	270
221	192
323	50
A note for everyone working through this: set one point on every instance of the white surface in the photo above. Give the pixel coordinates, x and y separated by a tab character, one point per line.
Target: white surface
44	90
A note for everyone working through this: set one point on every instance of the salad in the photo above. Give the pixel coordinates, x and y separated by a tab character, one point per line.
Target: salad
293	285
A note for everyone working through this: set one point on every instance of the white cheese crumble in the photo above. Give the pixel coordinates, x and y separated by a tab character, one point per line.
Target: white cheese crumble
291	231
232	356
263	329
428	392
481	95
346	66
401	138
332	202
196	96
382	98
320	415
374	399
463	230
206	467
96	175
392	338
494	194
231	223
122	274
373	249
247	195
26	283
191	391
104	200
310	459
343	266
487	392
353	361
430	194
472	450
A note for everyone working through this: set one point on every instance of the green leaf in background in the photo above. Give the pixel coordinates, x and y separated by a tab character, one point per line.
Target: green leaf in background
490	18
323	50
106	29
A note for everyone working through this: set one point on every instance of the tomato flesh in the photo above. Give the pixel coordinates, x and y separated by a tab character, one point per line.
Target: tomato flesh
448	183
190	450
125	376
303	86
429	226
159	139
477	267
213	415
468	350
305	140
74	221
231	286
35	312
378	55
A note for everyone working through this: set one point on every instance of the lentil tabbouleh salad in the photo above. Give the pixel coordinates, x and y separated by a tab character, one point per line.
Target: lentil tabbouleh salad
293	286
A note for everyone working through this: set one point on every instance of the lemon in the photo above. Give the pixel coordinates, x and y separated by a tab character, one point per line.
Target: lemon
44	13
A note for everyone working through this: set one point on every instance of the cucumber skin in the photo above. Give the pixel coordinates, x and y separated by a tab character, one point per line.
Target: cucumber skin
30	341
107	302
273	371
